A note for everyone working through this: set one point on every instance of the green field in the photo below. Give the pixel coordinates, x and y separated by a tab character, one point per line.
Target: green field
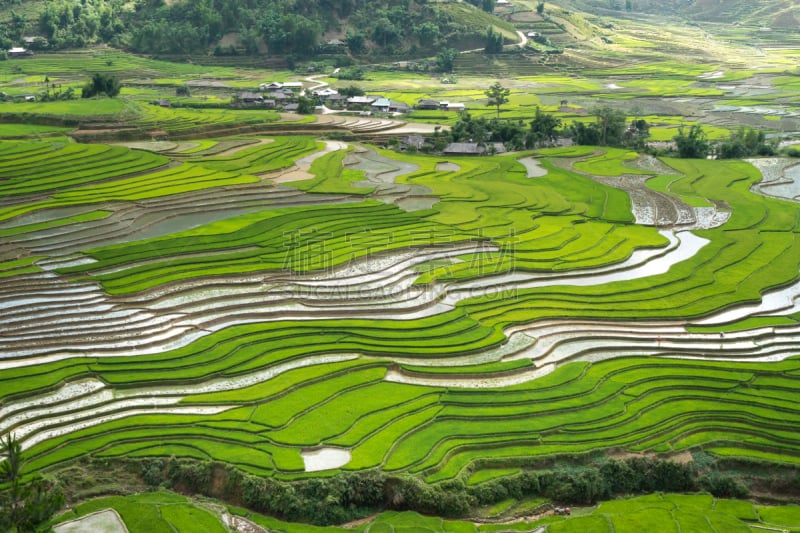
334	385
276	302
165	511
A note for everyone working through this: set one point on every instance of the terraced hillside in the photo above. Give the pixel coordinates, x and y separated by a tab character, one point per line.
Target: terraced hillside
289	306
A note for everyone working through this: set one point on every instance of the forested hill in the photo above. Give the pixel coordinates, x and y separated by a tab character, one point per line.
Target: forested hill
274	27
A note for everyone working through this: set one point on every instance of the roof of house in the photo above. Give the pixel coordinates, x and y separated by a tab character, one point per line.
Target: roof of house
382	102
455	105
336	42
327	91
415	140
291	107
17	50
473	148
428	102
293	84
247	95
361	99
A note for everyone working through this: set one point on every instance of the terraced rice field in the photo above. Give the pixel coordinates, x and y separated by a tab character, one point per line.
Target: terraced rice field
163	511
409	313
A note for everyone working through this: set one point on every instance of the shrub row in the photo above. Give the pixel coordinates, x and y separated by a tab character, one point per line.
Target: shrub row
348	496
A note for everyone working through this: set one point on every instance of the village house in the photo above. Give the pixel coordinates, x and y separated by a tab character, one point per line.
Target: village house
325	93
279	96
381	105
474	148
361	100
417	141
452	106
428	105
399	107
248	97
278	85
18	52
335	100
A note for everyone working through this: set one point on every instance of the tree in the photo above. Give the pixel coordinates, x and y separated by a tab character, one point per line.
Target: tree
746	142
486	5
355	42
305	106
427	33
498	95
24	507
494	41
540	8
544	129
446	58
385	32
637	134
584	134
611	124
101	84
692	144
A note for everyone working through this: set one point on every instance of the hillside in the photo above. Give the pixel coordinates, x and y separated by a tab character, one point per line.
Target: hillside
251	27
769	13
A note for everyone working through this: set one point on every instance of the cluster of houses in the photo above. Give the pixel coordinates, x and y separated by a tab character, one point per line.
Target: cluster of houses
275	95
284	95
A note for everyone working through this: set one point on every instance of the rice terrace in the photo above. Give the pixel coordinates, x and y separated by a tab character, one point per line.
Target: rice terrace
443	266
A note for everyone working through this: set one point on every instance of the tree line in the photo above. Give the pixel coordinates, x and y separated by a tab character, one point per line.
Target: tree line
273	26
352	495
610	127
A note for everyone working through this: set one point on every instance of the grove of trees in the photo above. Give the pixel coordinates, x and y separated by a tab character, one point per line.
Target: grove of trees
348	496
24	506
292	27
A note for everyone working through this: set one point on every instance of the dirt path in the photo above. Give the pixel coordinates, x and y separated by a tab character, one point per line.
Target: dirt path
523	40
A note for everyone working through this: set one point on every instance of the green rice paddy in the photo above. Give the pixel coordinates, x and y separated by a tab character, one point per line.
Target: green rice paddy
562	222
181	299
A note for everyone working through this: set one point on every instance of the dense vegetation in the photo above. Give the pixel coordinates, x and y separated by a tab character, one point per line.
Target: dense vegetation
350	496
257	26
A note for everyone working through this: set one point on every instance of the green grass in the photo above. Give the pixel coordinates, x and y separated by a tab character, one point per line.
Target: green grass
28	130
71	108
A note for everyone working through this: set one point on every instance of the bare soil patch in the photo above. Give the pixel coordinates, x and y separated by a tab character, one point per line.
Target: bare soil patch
446	165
